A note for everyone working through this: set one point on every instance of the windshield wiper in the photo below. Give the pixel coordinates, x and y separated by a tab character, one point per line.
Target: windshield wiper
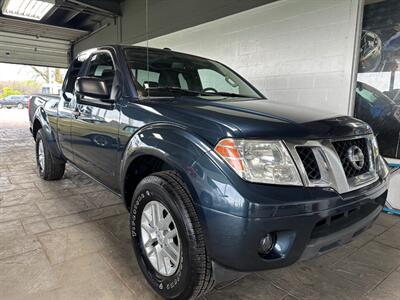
194	93
174	90
227	94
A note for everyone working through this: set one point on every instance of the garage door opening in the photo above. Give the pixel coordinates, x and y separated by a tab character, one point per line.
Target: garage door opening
18	84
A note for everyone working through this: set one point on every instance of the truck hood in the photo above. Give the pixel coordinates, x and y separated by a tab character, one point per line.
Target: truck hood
258	119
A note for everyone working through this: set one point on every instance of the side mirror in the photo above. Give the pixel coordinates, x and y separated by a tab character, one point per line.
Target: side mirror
92	87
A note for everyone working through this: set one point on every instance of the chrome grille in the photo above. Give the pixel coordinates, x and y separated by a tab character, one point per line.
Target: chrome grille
342	148
325	163
309	162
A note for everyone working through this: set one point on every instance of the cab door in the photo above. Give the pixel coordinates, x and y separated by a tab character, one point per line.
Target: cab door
66	107
95	125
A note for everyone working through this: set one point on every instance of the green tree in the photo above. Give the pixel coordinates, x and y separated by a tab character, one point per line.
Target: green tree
9	91
25	87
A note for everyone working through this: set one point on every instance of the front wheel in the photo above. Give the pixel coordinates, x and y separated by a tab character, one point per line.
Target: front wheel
168	239
20	106
48	167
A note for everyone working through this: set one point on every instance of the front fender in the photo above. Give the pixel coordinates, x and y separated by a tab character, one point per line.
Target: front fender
194	159
172	144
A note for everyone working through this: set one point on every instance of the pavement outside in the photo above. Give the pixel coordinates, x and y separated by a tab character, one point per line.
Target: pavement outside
69	239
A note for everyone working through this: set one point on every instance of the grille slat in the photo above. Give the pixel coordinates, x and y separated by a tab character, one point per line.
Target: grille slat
342	148
309	162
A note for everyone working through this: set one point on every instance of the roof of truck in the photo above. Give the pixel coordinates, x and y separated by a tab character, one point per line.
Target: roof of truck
166	50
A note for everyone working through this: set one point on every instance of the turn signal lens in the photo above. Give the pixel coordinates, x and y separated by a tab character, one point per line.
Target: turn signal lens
228	151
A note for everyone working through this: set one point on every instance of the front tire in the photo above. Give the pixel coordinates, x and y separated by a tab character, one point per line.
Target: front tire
188	274
48	167
20	106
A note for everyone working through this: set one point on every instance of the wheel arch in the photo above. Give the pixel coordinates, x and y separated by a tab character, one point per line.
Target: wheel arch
41	121
161	147
36	127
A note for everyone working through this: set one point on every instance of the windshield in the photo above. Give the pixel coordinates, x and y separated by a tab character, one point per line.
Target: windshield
171	74
372	95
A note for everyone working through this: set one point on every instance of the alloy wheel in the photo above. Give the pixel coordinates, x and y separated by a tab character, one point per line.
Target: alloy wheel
41	155
160	238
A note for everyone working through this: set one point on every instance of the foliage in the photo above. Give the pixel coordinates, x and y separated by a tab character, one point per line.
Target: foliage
7	91
24	87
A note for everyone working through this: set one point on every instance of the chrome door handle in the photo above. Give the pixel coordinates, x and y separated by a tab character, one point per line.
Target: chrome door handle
76	113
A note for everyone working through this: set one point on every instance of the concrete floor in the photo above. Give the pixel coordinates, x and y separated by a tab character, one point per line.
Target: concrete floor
69	239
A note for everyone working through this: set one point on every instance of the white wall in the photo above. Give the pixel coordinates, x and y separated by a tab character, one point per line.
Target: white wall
294	51
165	16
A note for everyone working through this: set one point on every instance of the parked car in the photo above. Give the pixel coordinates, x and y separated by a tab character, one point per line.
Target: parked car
217	179
382	114
20	101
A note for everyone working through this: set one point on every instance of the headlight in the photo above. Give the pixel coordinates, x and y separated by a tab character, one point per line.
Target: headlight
375	148
259	161
381	166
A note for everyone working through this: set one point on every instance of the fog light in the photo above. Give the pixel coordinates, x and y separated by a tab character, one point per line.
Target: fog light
267	243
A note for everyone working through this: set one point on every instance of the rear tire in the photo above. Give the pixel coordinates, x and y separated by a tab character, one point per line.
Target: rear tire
20	106
48	167
193	276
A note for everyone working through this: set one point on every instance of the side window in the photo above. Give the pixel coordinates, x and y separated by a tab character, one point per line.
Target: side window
73	73
212	79
68	87
101	66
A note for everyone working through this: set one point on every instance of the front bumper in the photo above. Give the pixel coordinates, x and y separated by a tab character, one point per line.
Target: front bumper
233	241
324	244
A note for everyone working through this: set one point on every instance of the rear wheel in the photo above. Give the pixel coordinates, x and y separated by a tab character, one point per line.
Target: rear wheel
48	167
168	239
20	106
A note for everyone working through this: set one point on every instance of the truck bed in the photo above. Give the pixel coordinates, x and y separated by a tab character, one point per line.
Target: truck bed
37	101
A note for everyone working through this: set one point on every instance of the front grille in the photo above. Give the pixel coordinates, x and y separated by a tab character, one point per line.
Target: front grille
342	148
309	161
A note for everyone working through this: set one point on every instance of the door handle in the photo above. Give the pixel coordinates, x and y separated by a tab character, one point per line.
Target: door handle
76	113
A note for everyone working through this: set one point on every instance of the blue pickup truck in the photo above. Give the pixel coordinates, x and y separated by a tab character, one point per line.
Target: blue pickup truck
218	179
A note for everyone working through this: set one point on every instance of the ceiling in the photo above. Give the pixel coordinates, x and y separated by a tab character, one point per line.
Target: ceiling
47	42
79	14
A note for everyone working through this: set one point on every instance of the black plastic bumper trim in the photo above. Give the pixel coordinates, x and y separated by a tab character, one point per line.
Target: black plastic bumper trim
325	244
